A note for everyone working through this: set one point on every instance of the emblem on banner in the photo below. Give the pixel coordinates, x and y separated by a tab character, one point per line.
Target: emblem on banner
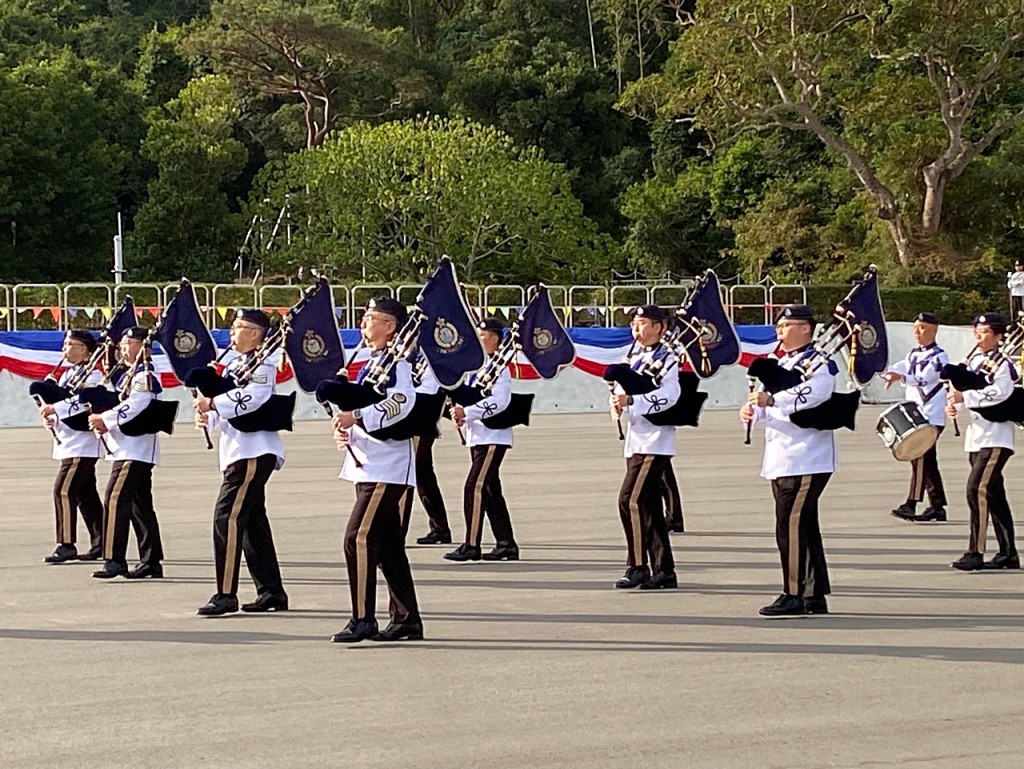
313	345
185	342
446	336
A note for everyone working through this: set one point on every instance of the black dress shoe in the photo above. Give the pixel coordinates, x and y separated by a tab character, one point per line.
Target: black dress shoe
218	605
661	580
397	631
905	511
62	554
1002	562
146	571
816	605
267	602
969	562
784	606
435	538
357	630
110	570
931	514
93	554
676	527
503	553
635	576
464	553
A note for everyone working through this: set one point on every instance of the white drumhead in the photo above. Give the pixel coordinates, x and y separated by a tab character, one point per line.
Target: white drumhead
916	443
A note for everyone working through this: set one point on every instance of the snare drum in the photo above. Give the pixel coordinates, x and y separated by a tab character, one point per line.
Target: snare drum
906	432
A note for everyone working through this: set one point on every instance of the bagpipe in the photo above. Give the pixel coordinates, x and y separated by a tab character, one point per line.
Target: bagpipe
542	339
1010	351
701	334
273	415
856	324
440	327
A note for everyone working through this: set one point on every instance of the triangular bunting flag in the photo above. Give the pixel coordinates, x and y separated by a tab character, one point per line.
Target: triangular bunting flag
73	312
55	313
90	312
36	311
107	312
222	311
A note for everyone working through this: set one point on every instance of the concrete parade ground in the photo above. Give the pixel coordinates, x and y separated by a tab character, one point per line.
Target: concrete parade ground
537	663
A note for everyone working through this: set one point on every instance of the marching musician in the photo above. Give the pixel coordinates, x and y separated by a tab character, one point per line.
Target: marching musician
920	373
989	445
385	471
799	463
427	488
649	449
247	460
487	448
77	451
129	494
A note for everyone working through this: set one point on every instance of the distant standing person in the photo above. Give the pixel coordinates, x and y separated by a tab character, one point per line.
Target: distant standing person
1015	282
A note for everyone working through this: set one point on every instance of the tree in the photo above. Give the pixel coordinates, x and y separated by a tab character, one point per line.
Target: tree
909	93
186	227
386	202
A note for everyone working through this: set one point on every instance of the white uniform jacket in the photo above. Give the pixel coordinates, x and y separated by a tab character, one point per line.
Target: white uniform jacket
922	368
142	448
236	445
790	450
476	432
1015	282
643	437
383	461
74	443
981	433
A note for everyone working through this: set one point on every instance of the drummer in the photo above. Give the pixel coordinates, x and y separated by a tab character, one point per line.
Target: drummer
919	373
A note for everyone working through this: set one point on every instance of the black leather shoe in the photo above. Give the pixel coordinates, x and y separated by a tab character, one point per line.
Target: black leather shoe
1002	562
62	554
146	571
357	630
267	602
93	554
110	570
784	606
661	580
434	538
218	605
503	553
676	527
931	514
905	511
464	553
412	631
635	576
816	605
969	562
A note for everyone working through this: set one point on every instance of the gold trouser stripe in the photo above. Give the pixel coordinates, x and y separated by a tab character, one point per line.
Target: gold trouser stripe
793	578
986	476
231	547
68	534
363	554
917	479
476	519
112	501
634	510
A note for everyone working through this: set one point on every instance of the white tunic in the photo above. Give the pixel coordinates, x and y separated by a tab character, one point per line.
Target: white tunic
383	461
476	432
923	368
790	450
74	443
1015	282
643	437
981	433
141	448
236	445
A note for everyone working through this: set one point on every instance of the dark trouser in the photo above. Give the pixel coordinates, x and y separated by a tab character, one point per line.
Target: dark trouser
74	490
986	497
374	535
129	497
641	512
427	489
1016	306
925	476
240	525
670	494
482	495
798	536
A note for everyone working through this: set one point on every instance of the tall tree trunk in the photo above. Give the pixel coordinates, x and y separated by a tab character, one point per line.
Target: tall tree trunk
934	192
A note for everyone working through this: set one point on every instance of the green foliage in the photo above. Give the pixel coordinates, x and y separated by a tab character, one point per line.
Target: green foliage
386	202
953	306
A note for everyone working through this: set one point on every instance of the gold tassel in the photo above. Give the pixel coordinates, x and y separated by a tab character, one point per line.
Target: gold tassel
853	347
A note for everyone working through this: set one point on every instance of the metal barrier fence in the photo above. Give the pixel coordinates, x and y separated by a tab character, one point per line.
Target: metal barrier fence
43	306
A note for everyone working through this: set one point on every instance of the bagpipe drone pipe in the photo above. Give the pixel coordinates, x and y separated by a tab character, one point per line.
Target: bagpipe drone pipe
857	324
